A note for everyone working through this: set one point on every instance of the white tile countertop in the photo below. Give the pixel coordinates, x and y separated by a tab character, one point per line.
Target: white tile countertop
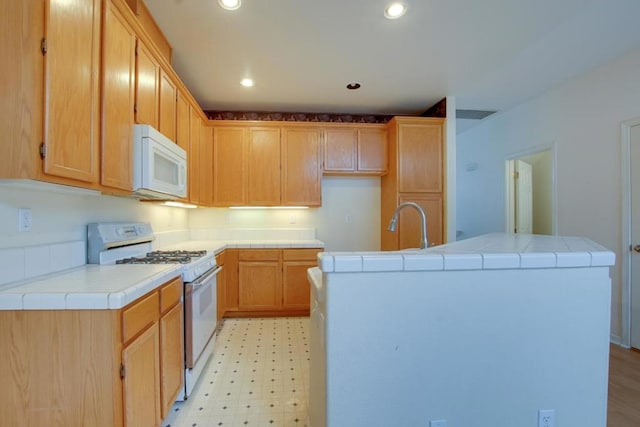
490	251
89	287
93	286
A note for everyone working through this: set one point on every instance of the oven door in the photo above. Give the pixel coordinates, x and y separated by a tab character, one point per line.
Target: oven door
200	314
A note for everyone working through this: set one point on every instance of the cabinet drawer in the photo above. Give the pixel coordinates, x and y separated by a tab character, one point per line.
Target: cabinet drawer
170	294
300	254
259	255
139	315
220	258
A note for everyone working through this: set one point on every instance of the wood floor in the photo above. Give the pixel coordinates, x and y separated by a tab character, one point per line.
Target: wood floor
624	388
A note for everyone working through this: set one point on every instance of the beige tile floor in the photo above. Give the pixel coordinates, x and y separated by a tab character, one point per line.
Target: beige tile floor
257	376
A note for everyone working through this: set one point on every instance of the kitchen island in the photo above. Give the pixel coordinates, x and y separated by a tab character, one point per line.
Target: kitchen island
486	331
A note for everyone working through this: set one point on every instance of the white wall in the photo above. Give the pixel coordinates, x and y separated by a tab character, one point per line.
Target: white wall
583	117
349	219
60	217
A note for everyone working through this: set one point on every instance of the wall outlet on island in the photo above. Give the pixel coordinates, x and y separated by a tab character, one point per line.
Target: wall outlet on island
438	423
546	418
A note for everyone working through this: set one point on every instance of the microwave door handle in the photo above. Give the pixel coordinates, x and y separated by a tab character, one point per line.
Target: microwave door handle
183	176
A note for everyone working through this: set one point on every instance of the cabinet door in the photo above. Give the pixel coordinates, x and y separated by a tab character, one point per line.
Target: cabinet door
419	158
231	279
259	285
147	86
229	173
372	150
72	86
193	160
409	224
141	383
171	356
118	98
263	166
296	292
301	167
167	112
182	122
206	165
340	150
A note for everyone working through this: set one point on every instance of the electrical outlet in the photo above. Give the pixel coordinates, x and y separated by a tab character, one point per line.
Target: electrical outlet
546	418
348	219
438	423
24	219
292	219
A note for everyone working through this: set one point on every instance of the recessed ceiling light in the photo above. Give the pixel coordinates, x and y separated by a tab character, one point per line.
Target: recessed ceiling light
353	86
247	82
229	4
395	10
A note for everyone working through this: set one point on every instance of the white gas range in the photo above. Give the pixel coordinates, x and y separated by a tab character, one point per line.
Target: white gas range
131	243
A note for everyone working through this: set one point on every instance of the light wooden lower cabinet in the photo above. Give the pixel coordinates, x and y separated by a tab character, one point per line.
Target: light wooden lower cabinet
171	357
141	382
67	368
265	282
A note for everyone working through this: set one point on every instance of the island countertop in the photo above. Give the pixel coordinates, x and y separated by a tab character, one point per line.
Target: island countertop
489	251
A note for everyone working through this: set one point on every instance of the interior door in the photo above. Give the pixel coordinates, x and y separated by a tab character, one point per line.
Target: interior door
524	197
635	236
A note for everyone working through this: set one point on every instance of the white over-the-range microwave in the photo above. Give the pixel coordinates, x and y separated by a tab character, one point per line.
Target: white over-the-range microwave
159	165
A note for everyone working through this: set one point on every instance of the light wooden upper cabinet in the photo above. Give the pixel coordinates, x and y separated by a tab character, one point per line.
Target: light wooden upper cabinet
355	151
182	122
193	178
247	166
340	150
301	167
206	165
118	98
72	89
147	86
420	157
263	166
167	112
372	151
230	146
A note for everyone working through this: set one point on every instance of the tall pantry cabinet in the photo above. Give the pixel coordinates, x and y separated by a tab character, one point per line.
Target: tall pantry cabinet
416	174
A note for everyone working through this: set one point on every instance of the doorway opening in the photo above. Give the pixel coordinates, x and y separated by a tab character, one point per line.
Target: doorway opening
630	235
530	192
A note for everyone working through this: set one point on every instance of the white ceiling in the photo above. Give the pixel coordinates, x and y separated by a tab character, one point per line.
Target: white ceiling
489	54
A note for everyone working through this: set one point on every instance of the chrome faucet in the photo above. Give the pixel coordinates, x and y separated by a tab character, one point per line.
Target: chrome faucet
394	220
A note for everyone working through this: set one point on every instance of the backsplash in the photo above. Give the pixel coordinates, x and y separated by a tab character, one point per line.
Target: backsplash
228	234
26	263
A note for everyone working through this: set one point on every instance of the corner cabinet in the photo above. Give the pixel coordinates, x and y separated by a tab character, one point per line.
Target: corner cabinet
93	367
416	174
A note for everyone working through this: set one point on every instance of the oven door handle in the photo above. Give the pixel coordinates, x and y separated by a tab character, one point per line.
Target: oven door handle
197	284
